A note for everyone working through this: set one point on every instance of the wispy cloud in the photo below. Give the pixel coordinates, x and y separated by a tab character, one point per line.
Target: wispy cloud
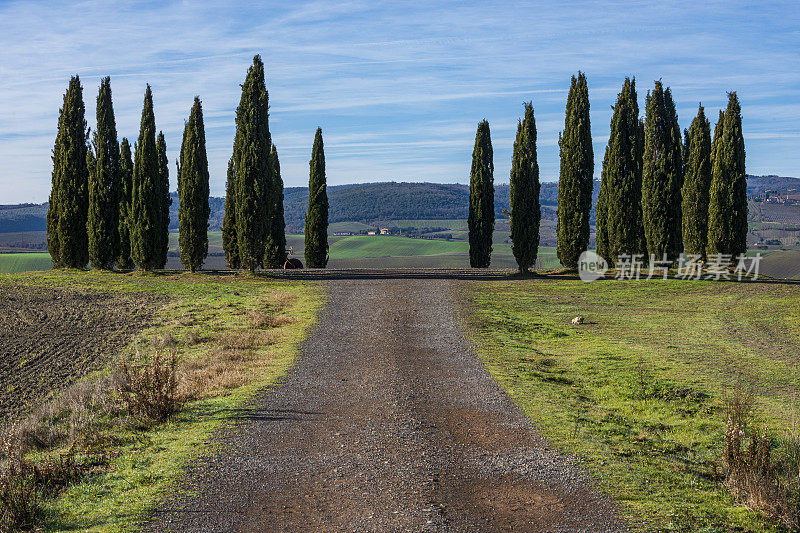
398	89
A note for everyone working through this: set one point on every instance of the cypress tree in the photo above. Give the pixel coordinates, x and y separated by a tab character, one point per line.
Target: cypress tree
275	247
696	185
67	237
164	200
251	149
193	191
686	142
727	211
662	176
230	244
146	208
316	234
124	260
576	178
481	199
525	211
55	193
104	184
619	213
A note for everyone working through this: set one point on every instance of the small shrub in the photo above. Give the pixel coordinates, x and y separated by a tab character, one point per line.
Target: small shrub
740	401
150	391
18	494
18	498
23	483
753	473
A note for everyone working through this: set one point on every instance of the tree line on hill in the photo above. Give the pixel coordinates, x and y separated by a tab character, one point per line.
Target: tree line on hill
660	193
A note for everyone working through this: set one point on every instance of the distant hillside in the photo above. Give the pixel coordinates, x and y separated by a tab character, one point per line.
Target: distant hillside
759	184
367	203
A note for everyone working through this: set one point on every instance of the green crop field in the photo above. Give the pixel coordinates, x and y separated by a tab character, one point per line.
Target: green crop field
23	262
638	391
360	246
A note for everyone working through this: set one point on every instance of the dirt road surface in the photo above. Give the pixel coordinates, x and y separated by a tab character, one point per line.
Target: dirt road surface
387	423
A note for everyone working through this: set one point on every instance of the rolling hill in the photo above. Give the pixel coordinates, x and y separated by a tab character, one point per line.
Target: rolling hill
368	202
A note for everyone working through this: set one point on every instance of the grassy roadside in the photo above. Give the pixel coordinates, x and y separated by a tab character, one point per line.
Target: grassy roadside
233	335
637	392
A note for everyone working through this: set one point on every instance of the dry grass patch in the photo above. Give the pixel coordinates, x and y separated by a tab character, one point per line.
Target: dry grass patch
238	339
223	371
281	300
262	320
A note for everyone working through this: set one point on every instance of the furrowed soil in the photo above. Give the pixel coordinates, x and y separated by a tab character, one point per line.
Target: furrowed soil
387	422
51	337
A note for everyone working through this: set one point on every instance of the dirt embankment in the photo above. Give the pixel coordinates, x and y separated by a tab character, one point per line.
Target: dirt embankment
51	337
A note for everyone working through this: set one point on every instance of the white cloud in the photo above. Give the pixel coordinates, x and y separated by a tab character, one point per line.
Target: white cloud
397	88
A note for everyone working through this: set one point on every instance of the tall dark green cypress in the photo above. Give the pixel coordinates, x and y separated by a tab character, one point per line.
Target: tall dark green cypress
727	210
316	234
230	244
619	213
662	176
576	177
53	243
526	213
104	184
164	200
193	191
124	260
251	154
67	237
275	246
481	199
146	205
696	185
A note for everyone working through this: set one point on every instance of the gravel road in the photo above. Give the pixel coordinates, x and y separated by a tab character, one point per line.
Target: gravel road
386	423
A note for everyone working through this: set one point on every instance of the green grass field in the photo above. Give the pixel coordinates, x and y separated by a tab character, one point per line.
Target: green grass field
23	262
360	246
637	391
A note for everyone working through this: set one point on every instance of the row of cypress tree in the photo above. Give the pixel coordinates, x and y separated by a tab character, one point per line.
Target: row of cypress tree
660	195
108	206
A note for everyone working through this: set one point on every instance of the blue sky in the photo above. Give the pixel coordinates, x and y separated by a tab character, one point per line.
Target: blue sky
397	88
